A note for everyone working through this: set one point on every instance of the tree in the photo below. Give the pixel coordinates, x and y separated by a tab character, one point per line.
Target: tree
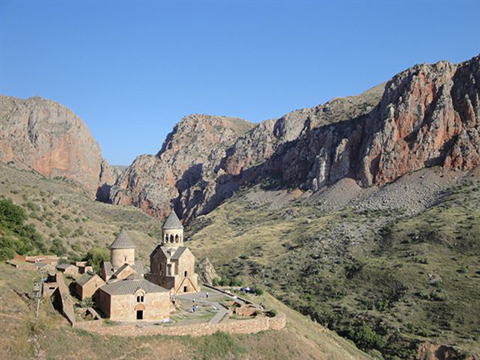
57	247
365	338
11	215
96	256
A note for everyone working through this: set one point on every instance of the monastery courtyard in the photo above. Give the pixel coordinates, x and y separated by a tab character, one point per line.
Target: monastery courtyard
213	310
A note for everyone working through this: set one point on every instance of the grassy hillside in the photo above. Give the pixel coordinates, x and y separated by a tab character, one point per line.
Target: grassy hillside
50	336
59	211
381	278
63	213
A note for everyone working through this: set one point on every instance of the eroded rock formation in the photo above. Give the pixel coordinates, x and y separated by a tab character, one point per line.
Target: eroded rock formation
427	115
45	136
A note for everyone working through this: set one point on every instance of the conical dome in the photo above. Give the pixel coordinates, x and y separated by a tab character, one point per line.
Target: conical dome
122	241
172	222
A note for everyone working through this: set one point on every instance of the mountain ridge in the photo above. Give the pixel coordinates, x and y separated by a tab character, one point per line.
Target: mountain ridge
426	115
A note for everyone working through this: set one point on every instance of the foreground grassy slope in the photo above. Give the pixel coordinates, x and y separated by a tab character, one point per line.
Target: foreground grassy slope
387	281
50	337
64	211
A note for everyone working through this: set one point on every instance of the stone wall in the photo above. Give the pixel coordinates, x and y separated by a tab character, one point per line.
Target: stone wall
250	326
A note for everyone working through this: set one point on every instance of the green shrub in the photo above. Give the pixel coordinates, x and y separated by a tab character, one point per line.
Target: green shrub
57	247
365	338
96	256
259	290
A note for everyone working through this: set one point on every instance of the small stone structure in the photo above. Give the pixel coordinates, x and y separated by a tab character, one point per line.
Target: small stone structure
45	259
83	267
68	269
172	265
87	285
238	308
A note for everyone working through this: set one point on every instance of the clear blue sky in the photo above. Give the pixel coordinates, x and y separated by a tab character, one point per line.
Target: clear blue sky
132	69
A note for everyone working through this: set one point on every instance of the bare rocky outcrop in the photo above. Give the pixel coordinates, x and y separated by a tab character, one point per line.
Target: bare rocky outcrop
207	272
183	171
429	351
426	116
45	136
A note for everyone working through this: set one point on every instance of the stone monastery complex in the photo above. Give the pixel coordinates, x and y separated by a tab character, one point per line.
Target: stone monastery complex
124	292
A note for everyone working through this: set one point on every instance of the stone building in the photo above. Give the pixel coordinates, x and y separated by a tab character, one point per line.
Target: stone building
68	269
127	296
134	298
88	284
122	255
172	265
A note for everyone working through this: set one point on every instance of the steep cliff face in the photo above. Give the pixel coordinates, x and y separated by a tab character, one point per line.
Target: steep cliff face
43	135
427	115
184	169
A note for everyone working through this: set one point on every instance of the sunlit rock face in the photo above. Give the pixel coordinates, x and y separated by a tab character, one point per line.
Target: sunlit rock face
426	115
44	136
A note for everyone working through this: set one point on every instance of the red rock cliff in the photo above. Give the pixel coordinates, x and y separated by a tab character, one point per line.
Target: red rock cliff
44	136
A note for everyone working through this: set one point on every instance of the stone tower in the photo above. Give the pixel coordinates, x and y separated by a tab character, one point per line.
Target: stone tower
172	264
122	250
172	231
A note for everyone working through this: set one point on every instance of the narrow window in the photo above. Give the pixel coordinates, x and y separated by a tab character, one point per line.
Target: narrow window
185	273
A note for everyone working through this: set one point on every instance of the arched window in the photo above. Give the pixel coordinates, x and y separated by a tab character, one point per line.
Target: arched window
176	238
166	238
171	239
140	298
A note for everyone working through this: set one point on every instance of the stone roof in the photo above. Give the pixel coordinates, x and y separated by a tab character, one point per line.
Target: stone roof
172	222
133	276
110	270
179	253
85	278
64	266
169	252
107	266
122	241
139	267
130	287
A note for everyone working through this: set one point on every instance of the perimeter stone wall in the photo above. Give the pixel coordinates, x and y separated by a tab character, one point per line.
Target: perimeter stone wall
251	326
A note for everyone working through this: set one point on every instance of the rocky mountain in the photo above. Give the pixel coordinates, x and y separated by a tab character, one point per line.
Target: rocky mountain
45	136
184	168
426	115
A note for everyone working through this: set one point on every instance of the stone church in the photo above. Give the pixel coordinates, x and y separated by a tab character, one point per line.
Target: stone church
127	296
172	265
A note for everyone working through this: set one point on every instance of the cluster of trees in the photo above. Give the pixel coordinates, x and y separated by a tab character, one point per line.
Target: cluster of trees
96	256
15	235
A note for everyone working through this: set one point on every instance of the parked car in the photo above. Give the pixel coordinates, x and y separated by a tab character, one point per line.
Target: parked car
248	290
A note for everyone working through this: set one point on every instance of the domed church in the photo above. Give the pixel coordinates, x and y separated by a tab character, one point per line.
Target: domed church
172	265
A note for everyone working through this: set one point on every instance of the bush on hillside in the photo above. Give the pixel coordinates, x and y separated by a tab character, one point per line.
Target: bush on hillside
96	256
16	237
365	338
